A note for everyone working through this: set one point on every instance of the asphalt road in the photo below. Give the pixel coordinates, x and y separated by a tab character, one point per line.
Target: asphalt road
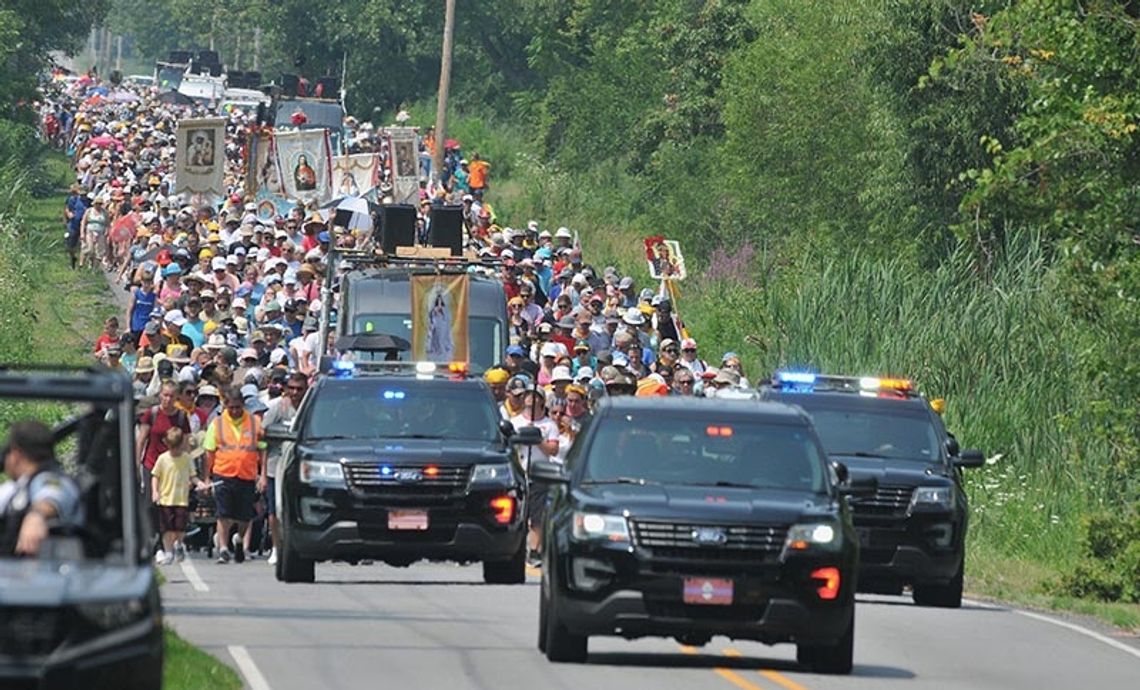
438	626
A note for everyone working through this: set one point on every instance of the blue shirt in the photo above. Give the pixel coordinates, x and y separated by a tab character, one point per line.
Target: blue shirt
78	206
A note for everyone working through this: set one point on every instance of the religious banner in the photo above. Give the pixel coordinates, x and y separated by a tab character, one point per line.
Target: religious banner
439	318
405	163
665	259
354	175
271	206
200	158
304	164
262	175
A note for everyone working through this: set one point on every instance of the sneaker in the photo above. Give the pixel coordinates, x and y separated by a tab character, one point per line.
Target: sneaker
179	552
534	558
239	551
223	556
273	556
169	560
160	557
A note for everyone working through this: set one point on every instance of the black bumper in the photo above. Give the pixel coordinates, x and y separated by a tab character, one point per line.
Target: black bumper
127	658
348	540
904	550
627	613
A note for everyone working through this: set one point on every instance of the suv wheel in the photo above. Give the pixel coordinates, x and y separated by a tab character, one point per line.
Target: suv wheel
561	644
833	658
509	572
291	567
947	596
542	621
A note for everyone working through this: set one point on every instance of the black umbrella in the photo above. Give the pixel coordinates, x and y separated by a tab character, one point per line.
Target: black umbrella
372	342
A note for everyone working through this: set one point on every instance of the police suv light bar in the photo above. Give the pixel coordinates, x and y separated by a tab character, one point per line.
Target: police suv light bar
806	382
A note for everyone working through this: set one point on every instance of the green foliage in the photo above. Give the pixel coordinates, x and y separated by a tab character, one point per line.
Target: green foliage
29	31
1110	569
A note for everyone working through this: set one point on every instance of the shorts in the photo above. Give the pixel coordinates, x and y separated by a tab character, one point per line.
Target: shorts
233	498
270	498
536	500
173	518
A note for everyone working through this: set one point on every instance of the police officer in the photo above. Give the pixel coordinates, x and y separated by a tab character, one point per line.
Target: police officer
37	492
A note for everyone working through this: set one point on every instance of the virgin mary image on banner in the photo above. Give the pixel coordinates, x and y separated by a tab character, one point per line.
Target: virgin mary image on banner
439	318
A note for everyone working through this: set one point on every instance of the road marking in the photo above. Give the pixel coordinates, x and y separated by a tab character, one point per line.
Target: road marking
1081	630
248	669
731	676
193	577
777	678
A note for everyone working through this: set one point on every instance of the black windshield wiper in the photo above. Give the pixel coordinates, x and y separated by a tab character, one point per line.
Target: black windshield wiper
621	480
729	485
429	436
862	454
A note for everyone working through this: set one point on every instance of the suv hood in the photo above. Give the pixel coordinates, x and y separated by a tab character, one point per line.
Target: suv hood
26	582
895	471
699	503
441	451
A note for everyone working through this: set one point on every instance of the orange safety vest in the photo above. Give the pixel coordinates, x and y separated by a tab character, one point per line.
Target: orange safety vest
237	454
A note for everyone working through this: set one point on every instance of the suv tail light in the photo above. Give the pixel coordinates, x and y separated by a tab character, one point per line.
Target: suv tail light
504	509
829	590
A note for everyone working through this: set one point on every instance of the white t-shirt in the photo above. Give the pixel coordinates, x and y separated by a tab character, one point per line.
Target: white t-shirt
549	433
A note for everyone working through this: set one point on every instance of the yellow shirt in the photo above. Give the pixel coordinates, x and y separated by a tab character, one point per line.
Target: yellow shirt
173	475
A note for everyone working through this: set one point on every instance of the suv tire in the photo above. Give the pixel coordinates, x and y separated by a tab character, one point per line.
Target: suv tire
561	644
833	658
947	596
291	567
508	572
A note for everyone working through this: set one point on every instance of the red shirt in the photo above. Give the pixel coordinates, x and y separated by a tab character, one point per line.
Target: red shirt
159	423
104	341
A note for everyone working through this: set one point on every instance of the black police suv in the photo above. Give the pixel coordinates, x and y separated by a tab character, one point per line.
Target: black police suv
913	530
399	465
689	518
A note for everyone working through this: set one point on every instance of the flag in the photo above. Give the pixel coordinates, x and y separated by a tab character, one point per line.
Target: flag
439	318
200	158
304	164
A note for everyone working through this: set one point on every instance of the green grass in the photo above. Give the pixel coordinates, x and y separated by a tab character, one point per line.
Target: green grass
188	668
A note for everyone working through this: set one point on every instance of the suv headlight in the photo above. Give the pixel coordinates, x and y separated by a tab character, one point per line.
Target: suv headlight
594	526
812	534
110	615
933	498
320	473
491	474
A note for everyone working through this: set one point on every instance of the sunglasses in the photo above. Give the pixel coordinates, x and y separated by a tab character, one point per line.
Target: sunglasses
683	382
689	349
671	350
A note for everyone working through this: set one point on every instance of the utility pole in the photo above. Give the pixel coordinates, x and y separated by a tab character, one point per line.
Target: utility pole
256	48
119	53
444	87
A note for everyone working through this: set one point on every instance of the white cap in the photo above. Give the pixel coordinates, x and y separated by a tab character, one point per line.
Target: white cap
218	263
585	373
560	374
549	350
563	232
175	317
239	303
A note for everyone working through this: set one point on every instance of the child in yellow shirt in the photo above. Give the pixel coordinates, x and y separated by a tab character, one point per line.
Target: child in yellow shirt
170	490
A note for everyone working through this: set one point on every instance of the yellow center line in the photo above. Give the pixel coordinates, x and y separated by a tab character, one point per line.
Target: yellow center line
777	678
731	676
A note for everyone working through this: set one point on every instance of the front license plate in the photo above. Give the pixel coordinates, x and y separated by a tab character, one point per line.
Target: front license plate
710	591
411	520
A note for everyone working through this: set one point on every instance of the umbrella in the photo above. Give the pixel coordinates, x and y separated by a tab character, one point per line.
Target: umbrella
97	91
372	342
104	141
451	144
123	97
352	212
125	227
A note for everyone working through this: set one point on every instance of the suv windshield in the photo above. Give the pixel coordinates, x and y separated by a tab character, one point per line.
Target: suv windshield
897	435
674	450
402	408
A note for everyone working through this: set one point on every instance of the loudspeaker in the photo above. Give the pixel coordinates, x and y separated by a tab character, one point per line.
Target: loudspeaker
289	85
397	227
180	57
253	79
327	87
208	57
215	70
447	228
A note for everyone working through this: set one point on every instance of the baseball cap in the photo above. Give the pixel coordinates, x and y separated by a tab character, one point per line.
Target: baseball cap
585	374
516	351
560	374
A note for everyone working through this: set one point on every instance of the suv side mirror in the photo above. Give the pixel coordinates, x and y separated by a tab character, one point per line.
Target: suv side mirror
970	458
526	436
279	433
952	446
546	472
840	471
507	429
